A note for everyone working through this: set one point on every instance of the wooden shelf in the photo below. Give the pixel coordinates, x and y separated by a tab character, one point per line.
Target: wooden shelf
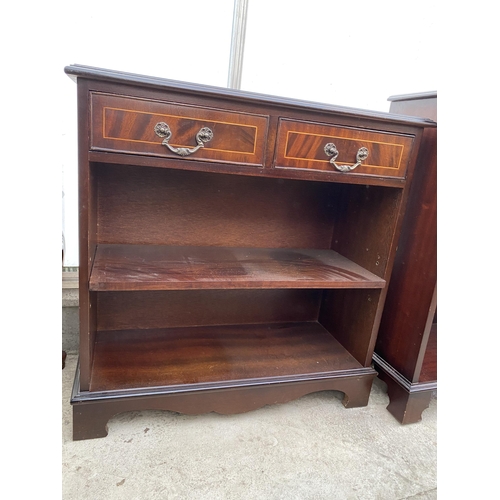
208	355
159	267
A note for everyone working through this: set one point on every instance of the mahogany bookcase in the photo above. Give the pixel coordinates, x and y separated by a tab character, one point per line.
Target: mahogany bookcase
234	247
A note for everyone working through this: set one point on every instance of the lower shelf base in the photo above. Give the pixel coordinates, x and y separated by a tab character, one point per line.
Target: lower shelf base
407	400
91	413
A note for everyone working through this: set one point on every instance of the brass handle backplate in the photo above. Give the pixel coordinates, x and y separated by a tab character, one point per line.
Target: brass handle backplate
331	150
163	130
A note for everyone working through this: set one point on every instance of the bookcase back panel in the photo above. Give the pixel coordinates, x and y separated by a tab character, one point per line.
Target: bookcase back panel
172	207
165	309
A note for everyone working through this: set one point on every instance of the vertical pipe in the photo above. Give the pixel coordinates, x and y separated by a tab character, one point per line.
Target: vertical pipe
237	44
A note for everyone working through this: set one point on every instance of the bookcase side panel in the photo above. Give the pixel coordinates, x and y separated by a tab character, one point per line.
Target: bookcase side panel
87	200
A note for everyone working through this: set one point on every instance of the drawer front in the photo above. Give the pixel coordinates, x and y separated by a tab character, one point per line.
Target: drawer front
127	125
302	145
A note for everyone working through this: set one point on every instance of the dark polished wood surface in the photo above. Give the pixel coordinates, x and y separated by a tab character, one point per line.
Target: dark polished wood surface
175	207
301	145
407	340
91	412
176	308
125	124
428	373
410	303
203	355
220	281
159	267
79	72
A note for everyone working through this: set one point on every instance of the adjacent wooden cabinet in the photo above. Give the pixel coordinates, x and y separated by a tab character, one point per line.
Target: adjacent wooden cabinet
406	350
234	248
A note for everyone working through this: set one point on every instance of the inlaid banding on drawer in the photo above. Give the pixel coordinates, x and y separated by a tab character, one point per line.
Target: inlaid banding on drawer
127	125
302	145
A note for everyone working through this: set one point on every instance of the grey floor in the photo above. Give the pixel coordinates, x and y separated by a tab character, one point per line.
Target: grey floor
312	448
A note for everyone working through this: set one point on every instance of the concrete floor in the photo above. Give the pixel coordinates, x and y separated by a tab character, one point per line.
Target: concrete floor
312	448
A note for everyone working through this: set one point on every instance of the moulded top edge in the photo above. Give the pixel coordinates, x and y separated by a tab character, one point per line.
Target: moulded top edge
413	97
76	71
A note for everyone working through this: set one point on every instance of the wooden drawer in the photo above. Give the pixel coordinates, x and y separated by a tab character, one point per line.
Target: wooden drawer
302	145
127	125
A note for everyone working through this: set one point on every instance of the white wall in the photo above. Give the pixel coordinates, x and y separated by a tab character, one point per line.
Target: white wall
348	53
351	53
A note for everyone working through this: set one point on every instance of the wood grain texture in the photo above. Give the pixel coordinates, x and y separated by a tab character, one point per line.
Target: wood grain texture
406	349
91	414
193	91
406	404
205	355
428	372
166	309
350	316
411	296
87	240
324	176
199	96
216	283
365	226
161	267
126	124
301	145
175	207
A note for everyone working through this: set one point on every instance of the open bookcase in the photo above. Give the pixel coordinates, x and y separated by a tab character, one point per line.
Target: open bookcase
229	269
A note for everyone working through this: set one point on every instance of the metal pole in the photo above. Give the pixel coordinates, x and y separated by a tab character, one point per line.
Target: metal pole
237	44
